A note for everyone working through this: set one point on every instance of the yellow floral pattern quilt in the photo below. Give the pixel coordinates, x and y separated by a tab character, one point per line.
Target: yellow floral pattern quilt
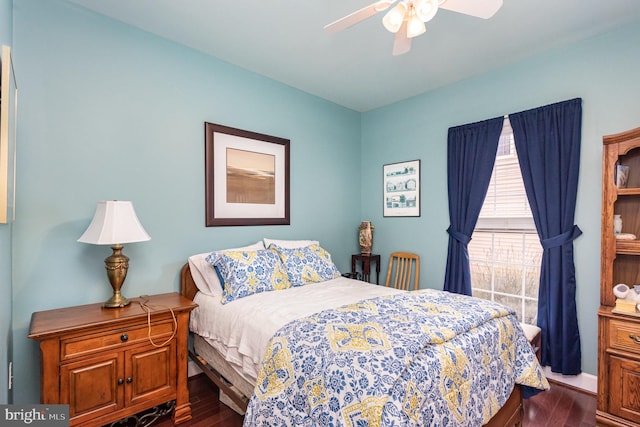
412	359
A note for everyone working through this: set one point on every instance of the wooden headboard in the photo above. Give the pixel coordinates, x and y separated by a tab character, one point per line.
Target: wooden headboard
188	287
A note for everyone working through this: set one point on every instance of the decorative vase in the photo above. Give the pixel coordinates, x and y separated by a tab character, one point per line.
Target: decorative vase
621	290
366	237
617	224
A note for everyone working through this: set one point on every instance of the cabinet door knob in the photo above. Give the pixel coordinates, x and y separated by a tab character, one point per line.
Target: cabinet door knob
124	337
120	381
635	338
129	380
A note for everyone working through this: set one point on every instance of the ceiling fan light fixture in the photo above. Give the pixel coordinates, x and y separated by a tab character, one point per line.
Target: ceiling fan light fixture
394	18
426	9
415	27
407	18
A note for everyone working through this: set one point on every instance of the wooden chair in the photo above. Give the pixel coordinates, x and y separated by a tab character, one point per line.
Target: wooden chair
404	269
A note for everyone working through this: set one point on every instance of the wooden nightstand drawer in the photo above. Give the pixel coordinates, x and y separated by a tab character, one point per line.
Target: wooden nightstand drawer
87	344
624	336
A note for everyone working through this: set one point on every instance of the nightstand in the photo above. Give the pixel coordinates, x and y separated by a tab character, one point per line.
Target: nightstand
111	363
365	261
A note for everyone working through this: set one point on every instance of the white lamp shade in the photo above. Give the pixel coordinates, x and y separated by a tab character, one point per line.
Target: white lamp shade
115	222
392	21
415	27
426	9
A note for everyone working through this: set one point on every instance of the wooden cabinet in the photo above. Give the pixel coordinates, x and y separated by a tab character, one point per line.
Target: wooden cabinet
110	363
619	334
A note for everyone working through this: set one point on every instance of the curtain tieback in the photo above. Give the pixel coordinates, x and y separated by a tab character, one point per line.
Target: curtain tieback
459	236
561	239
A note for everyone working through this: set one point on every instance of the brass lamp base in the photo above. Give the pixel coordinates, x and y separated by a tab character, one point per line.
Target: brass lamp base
116	301
116	265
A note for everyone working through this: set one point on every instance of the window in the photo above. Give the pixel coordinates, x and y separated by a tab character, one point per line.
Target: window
505	251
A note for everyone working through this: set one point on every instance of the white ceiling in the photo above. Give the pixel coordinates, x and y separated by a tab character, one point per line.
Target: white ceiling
285	40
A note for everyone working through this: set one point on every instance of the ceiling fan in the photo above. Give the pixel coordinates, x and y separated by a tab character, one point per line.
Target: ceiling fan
407	18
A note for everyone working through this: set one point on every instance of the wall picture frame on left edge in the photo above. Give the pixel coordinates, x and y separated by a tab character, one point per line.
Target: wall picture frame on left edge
401	189
246	177
8	128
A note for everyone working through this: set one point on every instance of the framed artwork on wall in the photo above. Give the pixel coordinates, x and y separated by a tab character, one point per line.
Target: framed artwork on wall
8	118
246	177
401	193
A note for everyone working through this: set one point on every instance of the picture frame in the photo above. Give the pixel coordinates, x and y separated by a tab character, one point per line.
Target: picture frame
247	178
8	127
401	189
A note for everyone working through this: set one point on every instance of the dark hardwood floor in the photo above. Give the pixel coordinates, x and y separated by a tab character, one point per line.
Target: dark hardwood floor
560	406
206	409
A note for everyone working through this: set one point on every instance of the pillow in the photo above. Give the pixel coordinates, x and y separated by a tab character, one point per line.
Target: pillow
249	272
289	244
309	264
205	277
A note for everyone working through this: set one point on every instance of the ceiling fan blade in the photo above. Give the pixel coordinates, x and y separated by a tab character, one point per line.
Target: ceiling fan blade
357	16
401	43
478	8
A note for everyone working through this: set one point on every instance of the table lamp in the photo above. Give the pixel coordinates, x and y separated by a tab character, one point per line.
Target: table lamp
115	223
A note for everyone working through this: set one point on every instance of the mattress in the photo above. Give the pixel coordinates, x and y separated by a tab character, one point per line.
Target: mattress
229	372
239	331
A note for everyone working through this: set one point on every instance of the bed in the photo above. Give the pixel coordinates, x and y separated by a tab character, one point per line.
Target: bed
263	349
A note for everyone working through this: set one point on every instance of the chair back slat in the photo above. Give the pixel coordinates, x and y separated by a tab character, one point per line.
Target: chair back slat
404	267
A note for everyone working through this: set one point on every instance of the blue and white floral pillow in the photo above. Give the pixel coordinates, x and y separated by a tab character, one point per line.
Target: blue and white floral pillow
246	273
310	264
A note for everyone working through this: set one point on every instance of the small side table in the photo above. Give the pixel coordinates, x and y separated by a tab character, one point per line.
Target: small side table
365	261
111	363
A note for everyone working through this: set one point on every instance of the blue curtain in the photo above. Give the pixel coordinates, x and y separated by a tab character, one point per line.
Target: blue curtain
471	153
548	144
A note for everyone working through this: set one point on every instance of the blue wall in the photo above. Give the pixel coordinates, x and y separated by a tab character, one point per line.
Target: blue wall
5	246
603	71
110	112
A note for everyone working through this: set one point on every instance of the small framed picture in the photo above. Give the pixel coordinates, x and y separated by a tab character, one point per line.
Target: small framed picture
401	192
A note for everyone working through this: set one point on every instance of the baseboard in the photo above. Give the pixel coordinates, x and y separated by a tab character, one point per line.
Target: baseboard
585	382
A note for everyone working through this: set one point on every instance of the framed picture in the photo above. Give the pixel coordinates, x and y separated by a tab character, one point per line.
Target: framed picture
8	120
401	195
246	177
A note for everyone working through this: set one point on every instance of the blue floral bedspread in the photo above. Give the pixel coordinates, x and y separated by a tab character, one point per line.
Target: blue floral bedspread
414	359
